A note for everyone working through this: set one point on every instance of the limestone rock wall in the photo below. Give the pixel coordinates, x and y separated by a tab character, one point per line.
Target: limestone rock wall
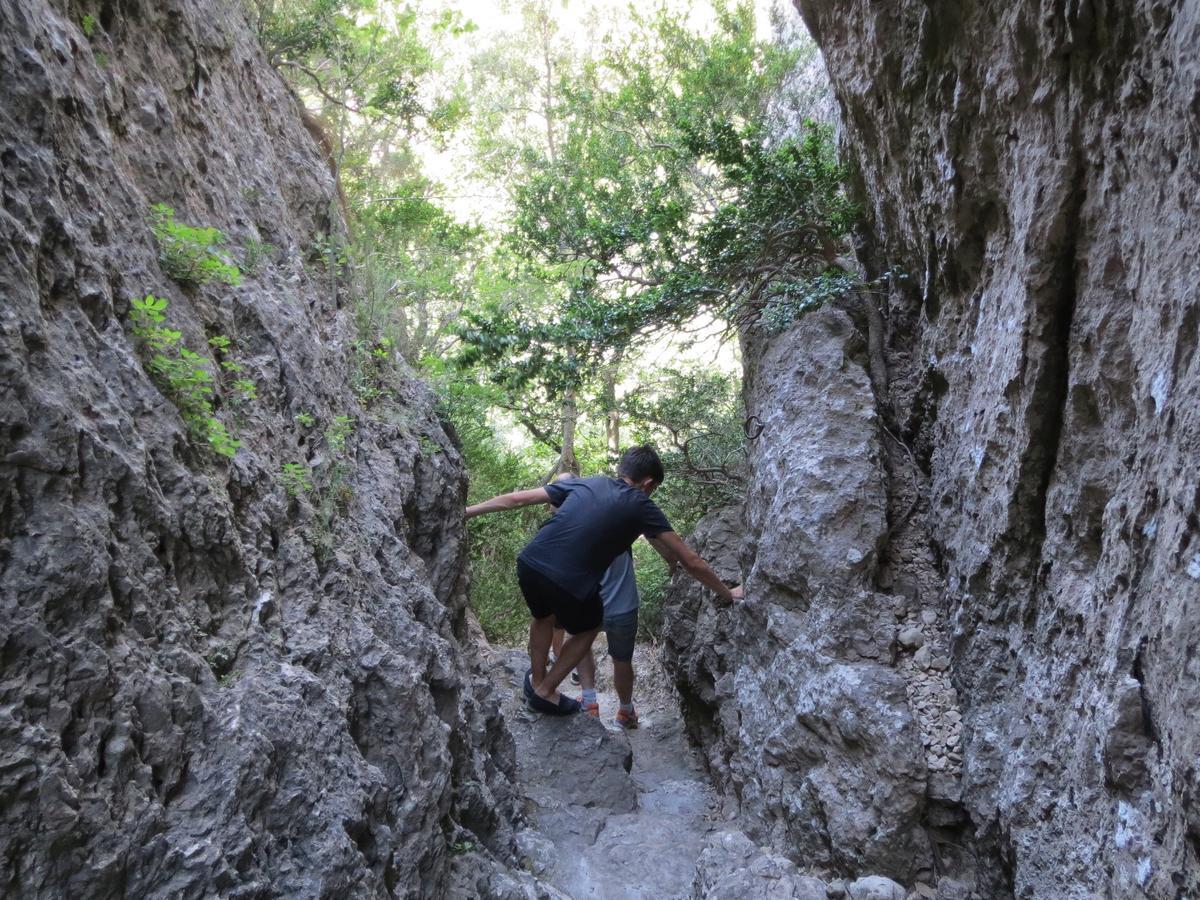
1032	169
207	686
794	693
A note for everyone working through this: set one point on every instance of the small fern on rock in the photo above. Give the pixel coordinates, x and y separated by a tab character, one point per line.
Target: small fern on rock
296	479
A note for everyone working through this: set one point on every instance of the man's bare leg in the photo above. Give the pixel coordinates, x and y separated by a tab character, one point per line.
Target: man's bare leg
541	633
623	680
573	650
556	644
587	671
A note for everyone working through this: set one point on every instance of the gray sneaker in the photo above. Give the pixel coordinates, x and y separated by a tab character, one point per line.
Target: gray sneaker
574	677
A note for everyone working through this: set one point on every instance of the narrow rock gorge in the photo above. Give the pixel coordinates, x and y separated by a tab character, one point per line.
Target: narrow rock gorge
969	646
966	664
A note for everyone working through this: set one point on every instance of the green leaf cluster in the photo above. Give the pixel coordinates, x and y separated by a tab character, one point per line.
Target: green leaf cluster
365	60
339	433
663	194
189	254
296	479
183	374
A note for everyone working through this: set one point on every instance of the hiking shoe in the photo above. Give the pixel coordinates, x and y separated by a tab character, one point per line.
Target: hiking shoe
592	709
626	719
574	677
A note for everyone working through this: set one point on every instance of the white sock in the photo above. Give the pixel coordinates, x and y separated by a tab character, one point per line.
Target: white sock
589	696
626	707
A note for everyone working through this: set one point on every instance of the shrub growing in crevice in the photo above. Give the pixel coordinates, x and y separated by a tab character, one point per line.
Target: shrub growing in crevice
182	374
189	254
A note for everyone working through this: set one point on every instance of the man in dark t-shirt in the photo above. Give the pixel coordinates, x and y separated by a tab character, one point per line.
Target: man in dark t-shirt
560	569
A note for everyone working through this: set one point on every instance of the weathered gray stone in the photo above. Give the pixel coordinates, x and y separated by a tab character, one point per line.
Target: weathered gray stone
792	692
605	828
207	688
911	638
923	658
875	887
733	868
1033	168
570	761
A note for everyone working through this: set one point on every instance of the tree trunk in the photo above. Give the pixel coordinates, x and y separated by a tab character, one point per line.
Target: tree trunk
612	425
570	414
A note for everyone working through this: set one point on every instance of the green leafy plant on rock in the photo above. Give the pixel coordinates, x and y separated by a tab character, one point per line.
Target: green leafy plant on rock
296	479
244	389
181	373
338	433
331	503
370	367
189	254
88	24
428	447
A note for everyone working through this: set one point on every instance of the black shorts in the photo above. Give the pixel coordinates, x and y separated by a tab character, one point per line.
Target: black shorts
545	598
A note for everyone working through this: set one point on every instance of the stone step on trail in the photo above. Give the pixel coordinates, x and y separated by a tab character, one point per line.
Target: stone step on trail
615	814
632	815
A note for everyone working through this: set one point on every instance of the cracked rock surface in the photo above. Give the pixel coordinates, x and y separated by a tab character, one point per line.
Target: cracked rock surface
209	687
1032	167
632	815
794	693
614	814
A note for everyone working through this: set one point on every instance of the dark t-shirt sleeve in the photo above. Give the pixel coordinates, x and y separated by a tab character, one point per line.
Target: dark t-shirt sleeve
558	491
653	522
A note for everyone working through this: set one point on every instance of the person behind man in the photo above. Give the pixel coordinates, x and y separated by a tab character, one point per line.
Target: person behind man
619	593
560	569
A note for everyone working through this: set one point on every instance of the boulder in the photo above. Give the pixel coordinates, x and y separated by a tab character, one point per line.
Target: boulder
875	887
792	693
733	868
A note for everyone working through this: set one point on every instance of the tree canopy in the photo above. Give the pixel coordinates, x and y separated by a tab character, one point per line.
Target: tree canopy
618	175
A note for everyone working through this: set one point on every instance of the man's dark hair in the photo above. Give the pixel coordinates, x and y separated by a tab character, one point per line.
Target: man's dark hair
641	462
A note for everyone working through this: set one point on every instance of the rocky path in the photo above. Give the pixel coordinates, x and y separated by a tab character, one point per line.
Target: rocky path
627	815
616	814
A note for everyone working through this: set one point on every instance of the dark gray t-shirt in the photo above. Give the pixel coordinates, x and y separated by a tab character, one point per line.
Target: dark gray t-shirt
618	587
598	519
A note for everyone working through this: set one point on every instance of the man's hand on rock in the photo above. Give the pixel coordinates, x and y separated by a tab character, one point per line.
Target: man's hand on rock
735	594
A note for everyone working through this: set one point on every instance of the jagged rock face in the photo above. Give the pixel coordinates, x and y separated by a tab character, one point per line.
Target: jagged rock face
794	693
207	687
1033	168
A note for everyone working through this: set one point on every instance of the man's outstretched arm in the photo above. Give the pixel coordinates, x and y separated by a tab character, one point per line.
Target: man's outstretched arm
515	500
671	547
